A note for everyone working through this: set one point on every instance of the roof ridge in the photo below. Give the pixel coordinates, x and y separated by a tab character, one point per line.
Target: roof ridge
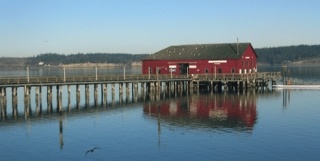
209	44
202	51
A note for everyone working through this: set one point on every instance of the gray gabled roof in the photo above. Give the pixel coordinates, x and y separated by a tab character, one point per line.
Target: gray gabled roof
201	51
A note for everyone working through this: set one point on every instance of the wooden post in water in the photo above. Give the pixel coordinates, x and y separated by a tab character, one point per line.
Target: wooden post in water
26	102
120	93
3	104
127	92
37	100
198	87
113	91
69	97
142	90
191	87
78	95
26	91
95	94
14	102
135	92
49	99
148	88
87	94
59	98
40	98
105	89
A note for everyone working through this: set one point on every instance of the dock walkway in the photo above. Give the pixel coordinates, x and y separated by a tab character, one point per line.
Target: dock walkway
128	86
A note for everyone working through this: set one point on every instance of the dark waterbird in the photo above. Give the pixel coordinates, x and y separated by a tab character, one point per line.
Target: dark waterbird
91	150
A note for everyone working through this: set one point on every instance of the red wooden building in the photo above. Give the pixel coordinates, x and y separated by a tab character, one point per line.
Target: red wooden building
201	59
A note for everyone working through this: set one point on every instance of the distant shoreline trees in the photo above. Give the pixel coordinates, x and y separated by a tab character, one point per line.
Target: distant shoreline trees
288	54
268	56
56	59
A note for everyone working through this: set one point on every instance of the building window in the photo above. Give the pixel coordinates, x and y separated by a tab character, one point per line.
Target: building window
206	71
219	70
232	70
242	63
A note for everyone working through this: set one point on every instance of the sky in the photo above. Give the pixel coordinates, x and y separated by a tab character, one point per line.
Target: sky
32	27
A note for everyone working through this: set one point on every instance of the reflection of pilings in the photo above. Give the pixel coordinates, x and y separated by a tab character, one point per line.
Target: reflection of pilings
61	131
285	97
159	128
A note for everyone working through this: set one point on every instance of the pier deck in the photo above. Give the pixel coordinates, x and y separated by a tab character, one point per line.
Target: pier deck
74	80
131	87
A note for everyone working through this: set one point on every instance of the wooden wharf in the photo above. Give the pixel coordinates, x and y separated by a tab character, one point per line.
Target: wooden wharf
131	85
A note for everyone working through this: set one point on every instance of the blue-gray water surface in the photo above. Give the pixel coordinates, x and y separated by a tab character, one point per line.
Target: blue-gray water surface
252	125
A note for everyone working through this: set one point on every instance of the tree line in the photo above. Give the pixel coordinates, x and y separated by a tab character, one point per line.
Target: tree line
270	55
56	59
287	54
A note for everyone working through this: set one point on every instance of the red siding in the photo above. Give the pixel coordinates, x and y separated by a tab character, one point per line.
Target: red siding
246	64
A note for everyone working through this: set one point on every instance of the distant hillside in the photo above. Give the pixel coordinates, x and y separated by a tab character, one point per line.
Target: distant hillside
56	59
301	54
289	54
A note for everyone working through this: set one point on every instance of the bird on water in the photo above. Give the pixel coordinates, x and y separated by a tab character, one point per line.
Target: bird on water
91	150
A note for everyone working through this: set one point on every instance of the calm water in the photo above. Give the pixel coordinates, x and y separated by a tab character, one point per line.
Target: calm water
270	125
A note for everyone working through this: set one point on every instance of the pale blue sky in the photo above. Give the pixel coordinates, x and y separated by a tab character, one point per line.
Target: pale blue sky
32	27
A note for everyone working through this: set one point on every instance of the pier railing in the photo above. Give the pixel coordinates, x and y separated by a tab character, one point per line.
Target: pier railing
234	76
16	81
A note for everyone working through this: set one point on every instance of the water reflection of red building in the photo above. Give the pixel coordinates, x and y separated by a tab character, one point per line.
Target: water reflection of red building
223	110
